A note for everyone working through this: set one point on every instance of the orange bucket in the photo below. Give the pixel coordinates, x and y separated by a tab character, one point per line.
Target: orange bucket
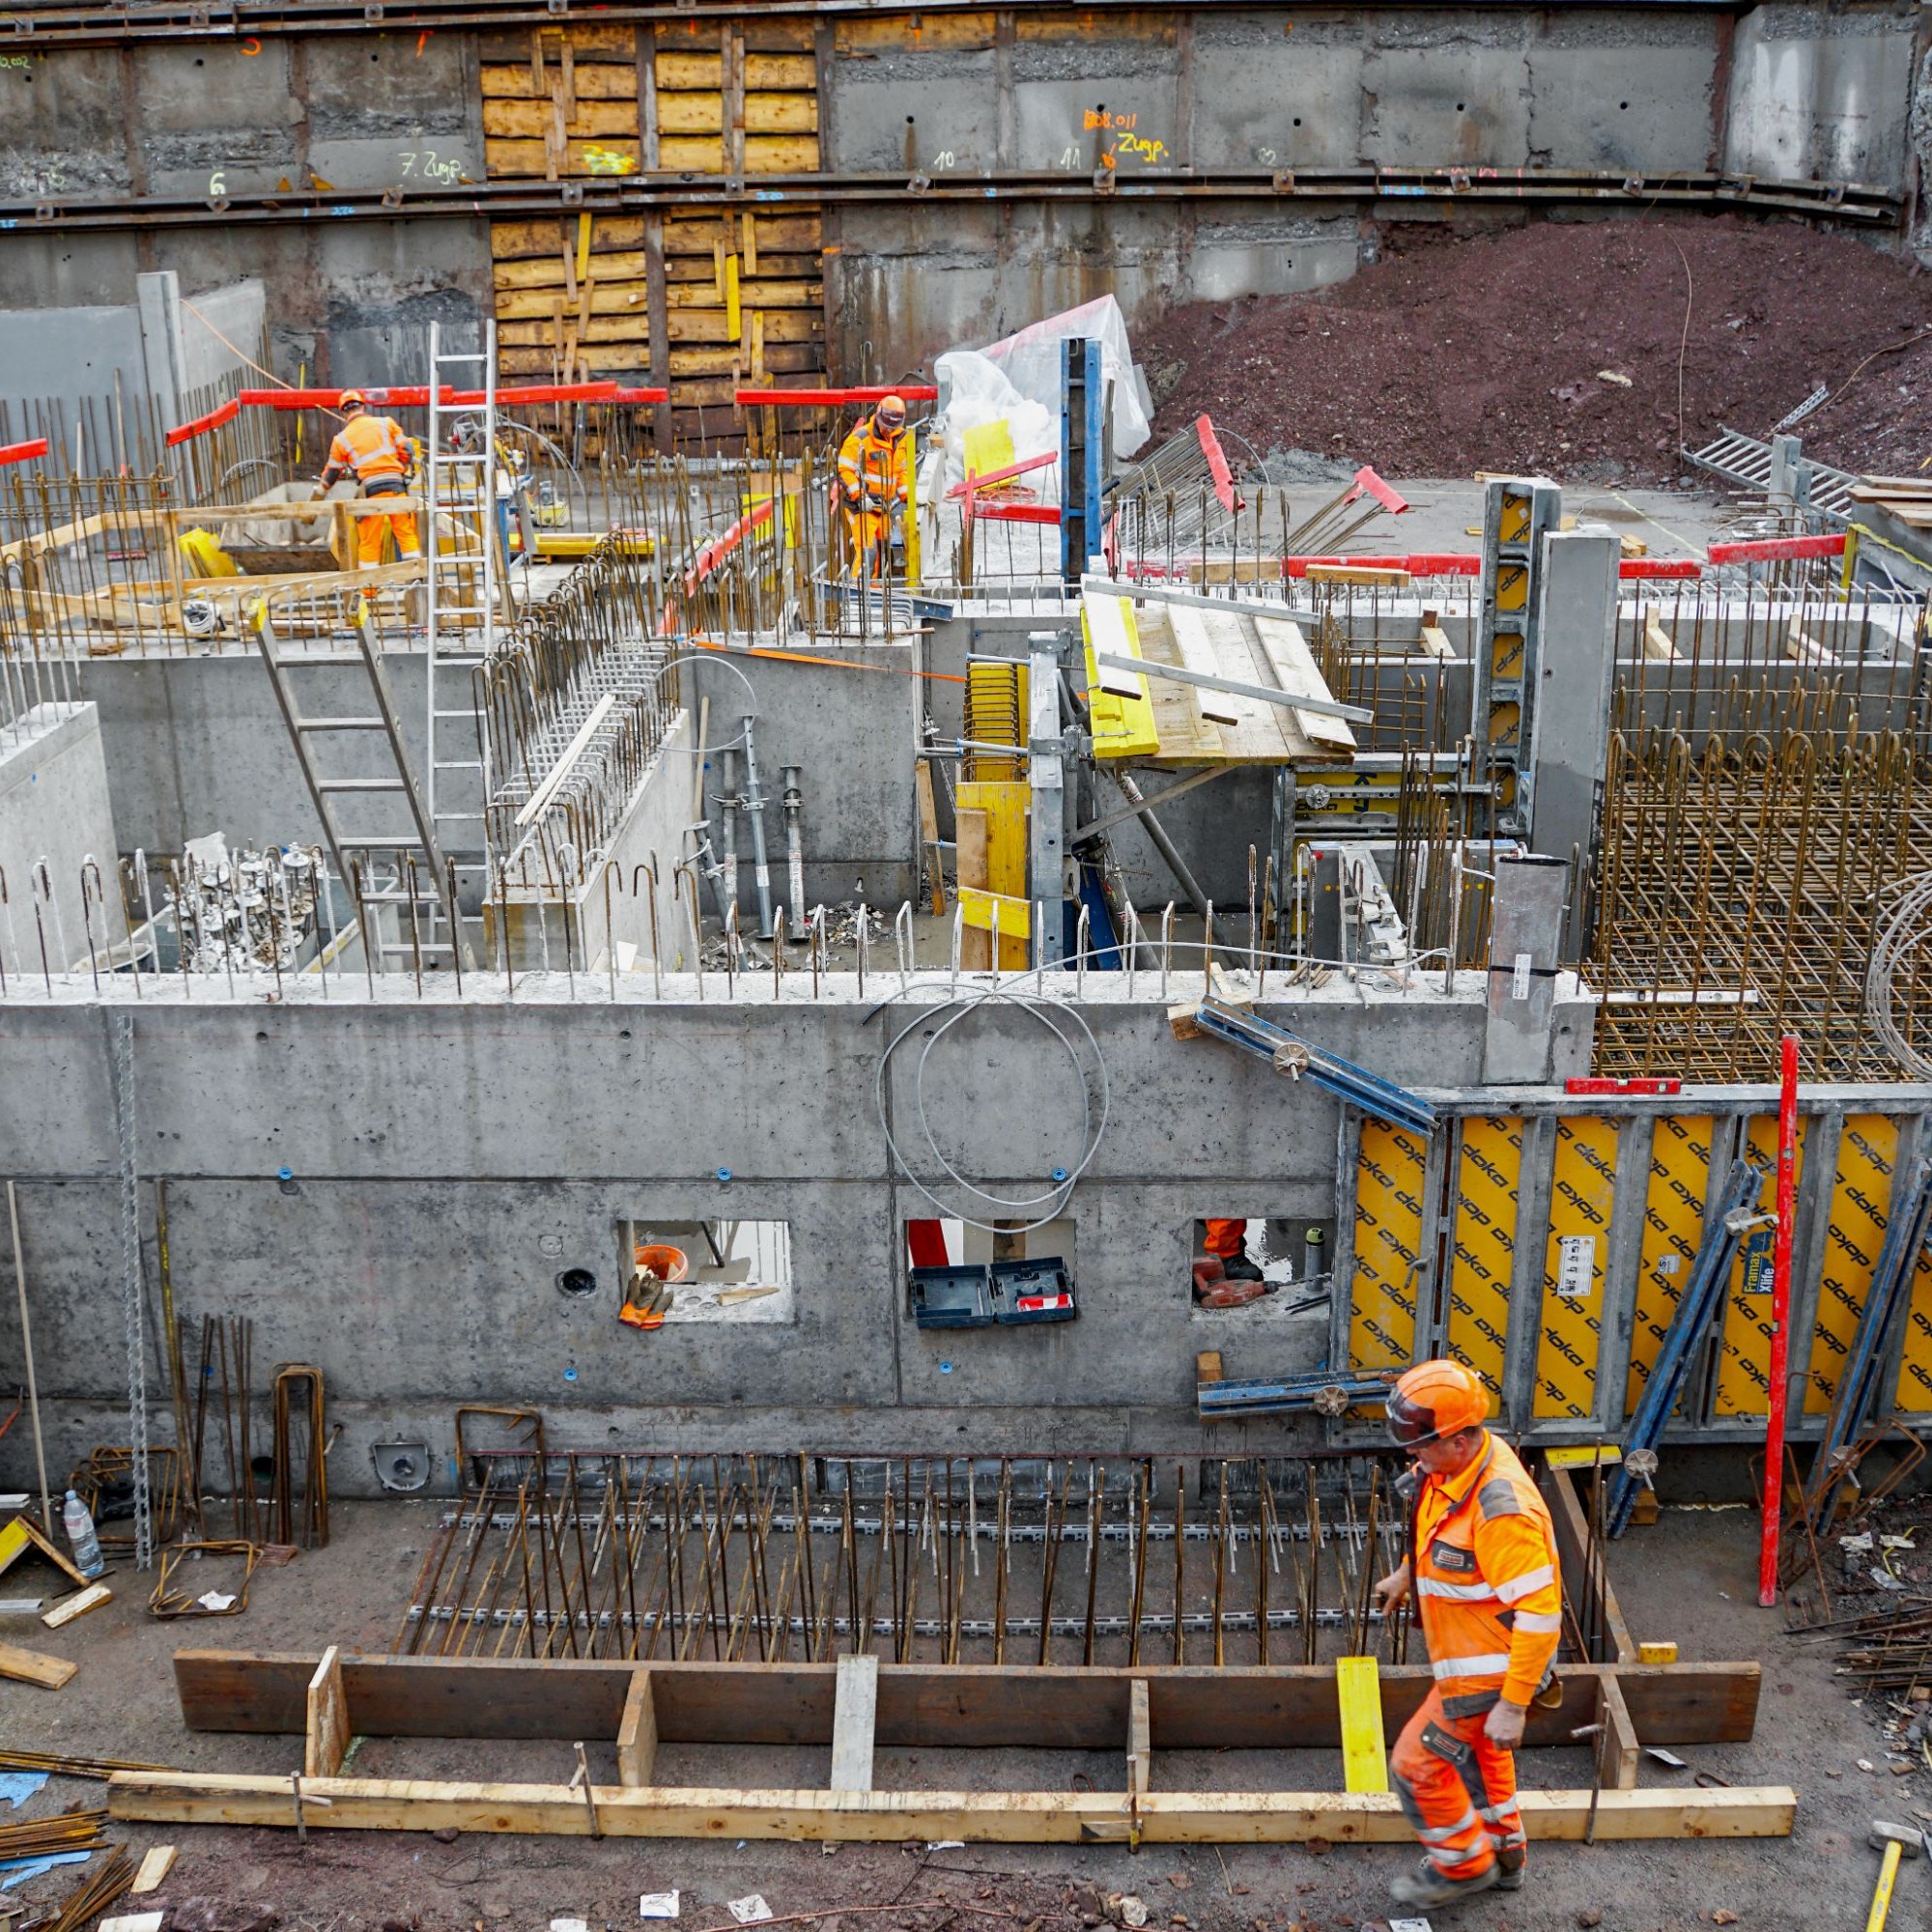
666	1263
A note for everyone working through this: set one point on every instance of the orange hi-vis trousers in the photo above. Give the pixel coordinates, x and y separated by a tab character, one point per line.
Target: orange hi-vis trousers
369	536
1458	1791
1227	1238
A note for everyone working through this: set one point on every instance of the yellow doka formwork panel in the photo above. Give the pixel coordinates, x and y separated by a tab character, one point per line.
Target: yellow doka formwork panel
1488	1173
1853	1232
1743	1367
1389	1173
1673	1224
1123	726
1583	1190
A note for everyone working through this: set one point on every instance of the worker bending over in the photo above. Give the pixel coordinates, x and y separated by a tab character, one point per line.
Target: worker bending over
376	452
1482	1568
875	481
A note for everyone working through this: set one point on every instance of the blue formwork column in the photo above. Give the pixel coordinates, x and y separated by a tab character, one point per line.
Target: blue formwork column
1083	443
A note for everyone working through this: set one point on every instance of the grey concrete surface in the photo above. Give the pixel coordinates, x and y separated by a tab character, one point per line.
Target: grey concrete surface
447	1160
55	810
1794	91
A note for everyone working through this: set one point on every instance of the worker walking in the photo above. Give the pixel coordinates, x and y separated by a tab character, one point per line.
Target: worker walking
375	451
1483	1567
876	482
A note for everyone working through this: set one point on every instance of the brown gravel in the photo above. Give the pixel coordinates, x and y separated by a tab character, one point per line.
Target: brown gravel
1453	354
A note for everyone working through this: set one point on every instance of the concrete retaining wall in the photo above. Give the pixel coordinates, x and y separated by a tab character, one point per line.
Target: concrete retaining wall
448	1160
1786	89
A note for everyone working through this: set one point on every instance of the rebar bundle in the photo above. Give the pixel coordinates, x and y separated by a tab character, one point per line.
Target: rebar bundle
1222	1561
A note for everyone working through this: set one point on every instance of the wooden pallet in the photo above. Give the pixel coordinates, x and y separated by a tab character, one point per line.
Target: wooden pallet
856	1704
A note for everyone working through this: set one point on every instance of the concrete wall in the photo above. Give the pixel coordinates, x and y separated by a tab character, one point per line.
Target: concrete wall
53	806
1788	88
448	1160
198	121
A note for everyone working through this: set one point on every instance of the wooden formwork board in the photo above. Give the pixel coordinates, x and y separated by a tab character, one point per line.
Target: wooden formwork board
739	291
918	1705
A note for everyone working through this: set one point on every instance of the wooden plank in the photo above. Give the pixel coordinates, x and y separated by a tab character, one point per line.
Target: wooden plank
1008	1817
534	304
157	1863
21	1534
924	32
921	1706
526	119
627	358
31	1666
587	44
855	1710
762	294
1619	1743
1583	1581
638	1732
712	325
971	829
90	1599
681	114
1370	575
631	330
1295	669
1435	641
795	72
545	271
1656	644
601	81
781	114
542	239
777	234
1140	1738
607	157
791	359
1359	1695
326	1730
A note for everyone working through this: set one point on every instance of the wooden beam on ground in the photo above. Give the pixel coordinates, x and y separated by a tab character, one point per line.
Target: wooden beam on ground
638	1732
326	1732
69	1608
157	1863
1618	1743
855	1711
1019	1818
1586	1584
921	1706
31	1666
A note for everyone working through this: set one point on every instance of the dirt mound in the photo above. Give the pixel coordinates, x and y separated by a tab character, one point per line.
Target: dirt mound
1556	346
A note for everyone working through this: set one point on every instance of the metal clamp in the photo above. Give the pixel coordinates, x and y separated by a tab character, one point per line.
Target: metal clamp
1282	181
918	183
570	194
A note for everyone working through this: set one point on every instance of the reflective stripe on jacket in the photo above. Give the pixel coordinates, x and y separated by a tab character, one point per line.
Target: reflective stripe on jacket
1486	1581
879	465
373	447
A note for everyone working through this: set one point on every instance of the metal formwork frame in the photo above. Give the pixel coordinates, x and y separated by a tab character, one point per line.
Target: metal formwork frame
1518	514
1636	1120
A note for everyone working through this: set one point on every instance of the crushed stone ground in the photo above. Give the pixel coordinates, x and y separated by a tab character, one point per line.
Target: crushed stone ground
1556	346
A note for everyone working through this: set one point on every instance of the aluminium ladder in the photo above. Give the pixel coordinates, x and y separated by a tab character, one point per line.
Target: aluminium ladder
421	888
460	608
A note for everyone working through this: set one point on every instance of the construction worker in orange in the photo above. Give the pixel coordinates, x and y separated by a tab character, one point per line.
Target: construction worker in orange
875	481
1482	1565
375	451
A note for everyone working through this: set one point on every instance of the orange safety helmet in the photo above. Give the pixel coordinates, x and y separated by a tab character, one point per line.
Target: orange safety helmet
890	412
1434	1400
352	399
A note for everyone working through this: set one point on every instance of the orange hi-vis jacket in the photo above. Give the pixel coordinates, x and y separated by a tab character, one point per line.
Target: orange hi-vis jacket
881	465
1486	1582
374	447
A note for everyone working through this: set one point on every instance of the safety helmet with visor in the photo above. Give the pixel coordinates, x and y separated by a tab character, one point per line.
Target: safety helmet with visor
889	415
1434	1400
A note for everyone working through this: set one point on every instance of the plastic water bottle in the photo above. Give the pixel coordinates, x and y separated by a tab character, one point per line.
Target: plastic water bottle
87	1557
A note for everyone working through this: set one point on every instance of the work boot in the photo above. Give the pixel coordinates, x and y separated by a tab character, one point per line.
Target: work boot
1238	1267
1508	1875
1429	1888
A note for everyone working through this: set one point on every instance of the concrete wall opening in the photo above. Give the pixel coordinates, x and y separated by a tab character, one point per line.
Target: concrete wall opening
718	1271
1258	1266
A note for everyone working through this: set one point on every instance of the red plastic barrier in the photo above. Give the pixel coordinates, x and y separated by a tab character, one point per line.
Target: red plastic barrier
1217	463
1660	566
1016	512
1369	484
1775	550
23	452
824	399
642	396
1005	475
201	425
1450	563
